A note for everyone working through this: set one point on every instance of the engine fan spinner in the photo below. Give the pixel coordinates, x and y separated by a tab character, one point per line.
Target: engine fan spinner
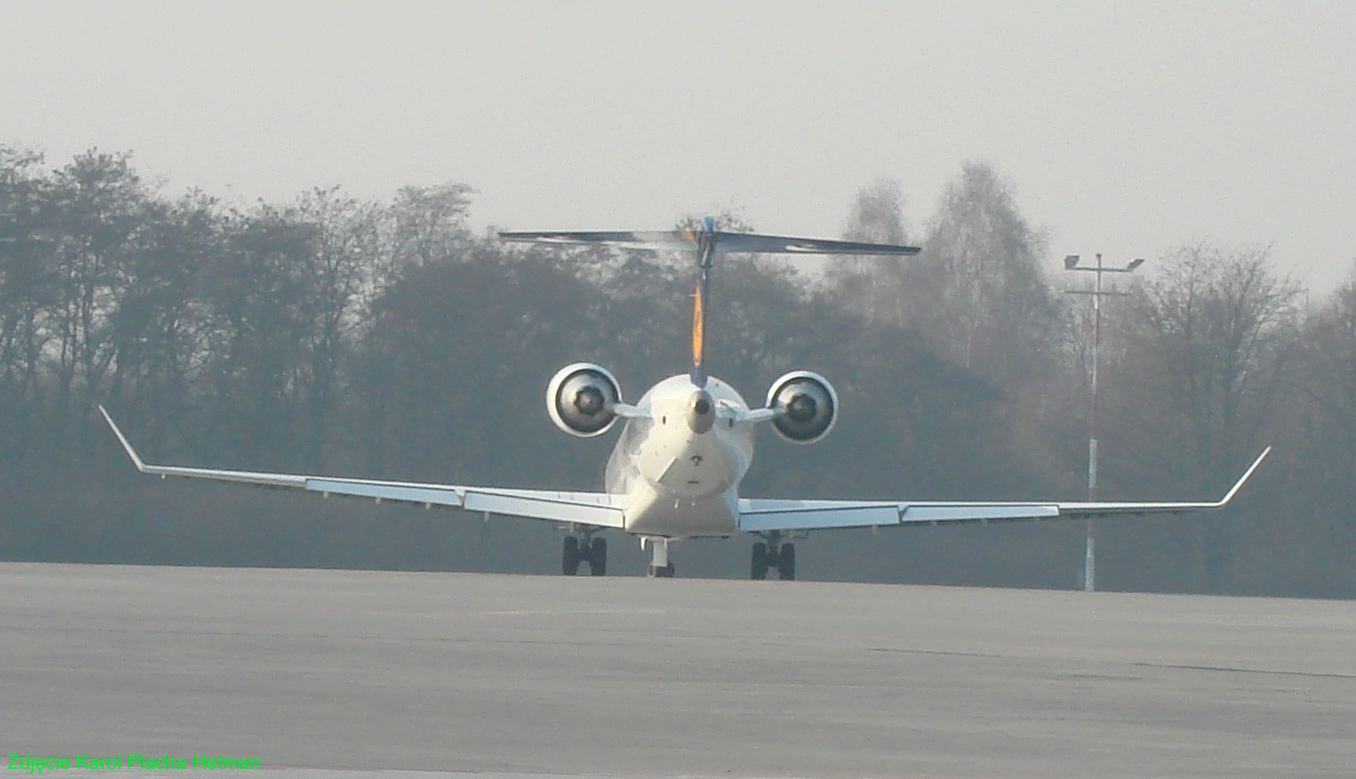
580	399
808	405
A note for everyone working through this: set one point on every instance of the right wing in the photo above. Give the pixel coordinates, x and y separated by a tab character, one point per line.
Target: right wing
585	508
762	515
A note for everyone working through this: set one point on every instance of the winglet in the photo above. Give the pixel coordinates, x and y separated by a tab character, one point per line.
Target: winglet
125	445
1246	474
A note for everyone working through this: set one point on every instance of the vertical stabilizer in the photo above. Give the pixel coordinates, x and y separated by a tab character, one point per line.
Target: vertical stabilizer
706	251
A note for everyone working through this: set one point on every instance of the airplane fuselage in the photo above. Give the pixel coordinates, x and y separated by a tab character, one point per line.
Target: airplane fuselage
679	464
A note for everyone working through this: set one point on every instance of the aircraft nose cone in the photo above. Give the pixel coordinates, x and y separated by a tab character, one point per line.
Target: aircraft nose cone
701	411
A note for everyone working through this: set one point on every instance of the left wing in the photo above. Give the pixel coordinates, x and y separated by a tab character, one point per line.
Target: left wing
757	515
585	508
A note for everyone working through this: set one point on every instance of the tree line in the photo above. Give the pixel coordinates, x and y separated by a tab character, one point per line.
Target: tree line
386	339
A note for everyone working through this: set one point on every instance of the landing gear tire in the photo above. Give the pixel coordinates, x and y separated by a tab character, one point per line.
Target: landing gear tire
660	571
598	557
770	554
581	547
786	562
759	564
570	557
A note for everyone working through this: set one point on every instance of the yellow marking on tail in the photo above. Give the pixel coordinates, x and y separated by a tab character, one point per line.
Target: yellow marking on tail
698	327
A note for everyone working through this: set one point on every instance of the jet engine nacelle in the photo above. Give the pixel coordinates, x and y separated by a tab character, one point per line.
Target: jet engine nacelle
580	399
808	404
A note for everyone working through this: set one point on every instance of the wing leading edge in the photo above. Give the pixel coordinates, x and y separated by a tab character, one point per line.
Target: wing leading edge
584	508
757	515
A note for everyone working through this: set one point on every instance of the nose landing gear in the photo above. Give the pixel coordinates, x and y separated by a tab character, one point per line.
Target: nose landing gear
659	567
772	553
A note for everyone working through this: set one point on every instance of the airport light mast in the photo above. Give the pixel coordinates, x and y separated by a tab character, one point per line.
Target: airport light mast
1071	263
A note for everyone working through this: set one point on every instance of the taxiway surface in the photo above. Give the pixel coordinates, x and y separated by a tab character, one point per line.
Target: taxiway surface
363	671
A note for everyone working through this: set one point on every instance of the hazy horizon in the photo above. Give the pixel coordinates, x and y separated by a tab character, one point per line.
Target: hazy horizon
1129	129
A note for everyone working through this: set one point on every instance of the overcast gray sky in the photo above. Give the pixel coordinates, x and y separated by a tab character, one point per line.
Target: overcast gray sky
1126	128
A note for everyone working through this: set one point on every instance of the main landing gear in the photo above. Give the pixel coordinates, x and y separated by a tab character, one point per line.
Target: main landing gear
772	553
581	547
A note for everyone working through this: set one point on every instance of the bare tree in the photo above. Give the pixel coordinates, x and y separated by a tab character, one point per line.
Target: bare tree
427	224
1208	338
874	285
1326	431
23	291
160	323
345	259
101	206
257	290
988	305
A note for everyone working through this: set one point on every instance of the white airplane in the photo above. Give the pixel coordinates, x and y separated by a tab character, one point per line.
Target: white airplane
686	444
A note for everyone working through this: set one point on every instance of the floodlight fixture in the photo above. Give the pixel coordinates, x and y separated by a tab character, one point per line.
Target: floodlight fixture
1070	261
1135	263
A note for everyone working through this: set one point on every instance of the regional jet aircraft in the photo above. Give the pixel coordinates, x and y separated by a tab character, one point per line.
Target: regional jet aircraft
685	446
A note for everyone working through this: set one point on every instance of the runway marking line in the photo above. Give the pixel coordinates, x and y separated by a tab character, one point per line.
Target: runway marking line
543	612
1247	670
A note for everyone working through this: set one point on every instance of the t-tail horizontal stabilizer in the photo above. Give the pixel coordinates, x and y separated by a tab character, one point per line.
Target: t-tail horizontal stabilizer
723	242
705	244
